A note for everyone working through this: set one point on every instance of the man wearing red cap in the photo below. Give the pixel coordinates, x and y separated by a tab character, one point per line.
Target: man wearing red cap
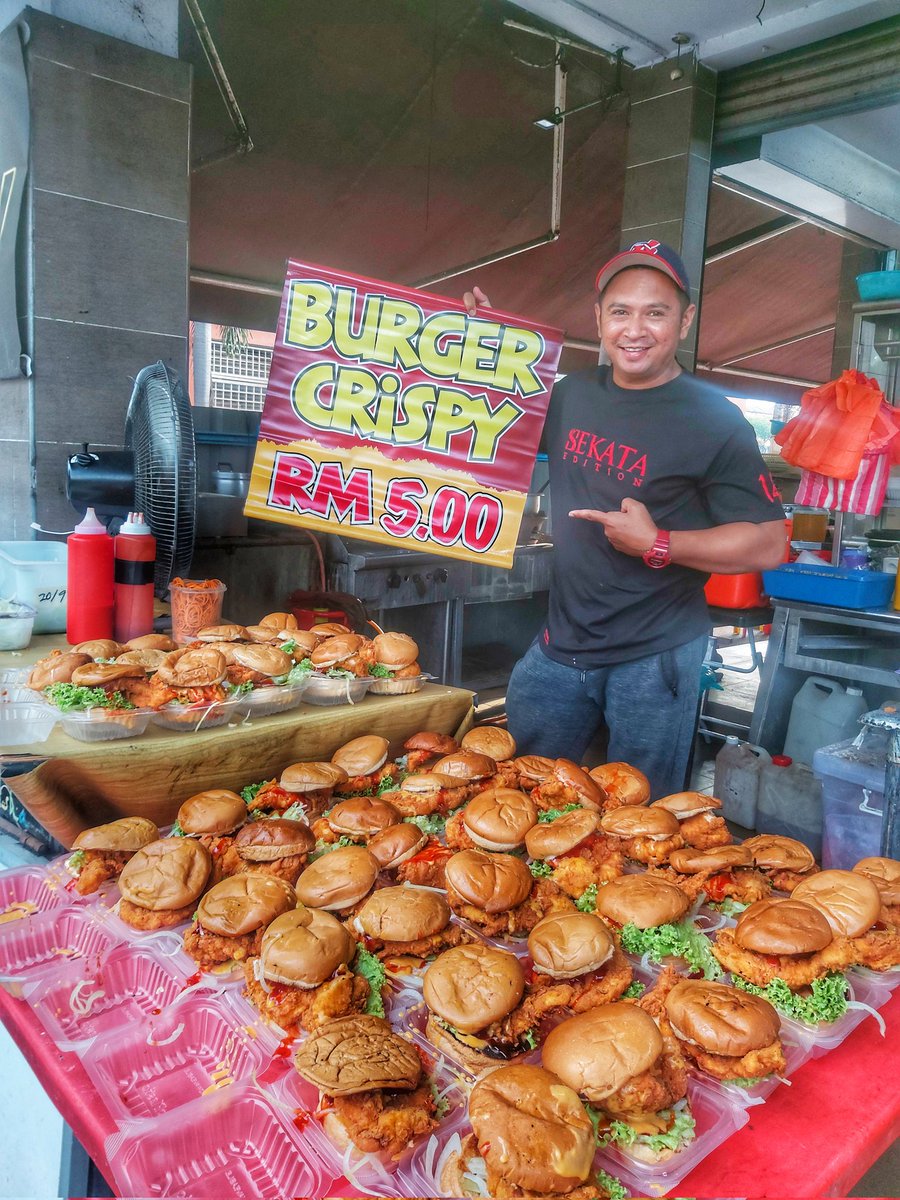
662	483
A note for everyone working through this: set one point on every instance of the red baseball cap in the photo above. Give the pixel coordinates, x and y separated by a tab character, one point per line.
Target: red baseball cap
646	254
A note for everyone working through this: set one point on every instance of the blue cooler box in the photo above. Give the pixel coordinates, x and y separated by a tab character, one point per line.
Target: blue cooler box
853	799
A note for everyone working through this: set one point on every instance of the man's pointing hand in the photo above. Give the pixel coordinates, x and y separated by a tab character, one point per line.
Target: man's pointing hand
631	531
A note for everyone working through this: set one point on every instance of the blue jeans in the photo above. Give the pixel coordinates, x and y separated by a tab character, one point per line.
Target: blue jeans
649	705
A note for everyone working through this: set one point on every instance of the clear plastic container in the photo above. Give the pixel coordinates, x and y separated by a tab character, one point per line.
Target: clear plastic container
28	891
30	948
26	723
328	690
16	623
790	802
198	1046
91	998
797	1050
183	718
105	724
266	701
853	781
35	574
195	608
397	687
881	980
236	1144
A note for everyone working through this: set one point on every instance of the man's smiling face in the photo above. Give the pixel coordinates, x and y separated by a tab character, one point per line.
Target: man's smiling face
641	318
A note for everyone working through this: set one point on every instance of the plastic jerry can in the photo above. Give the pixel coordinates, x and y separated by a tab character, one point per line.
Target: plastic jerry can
738	765
790	802
822	713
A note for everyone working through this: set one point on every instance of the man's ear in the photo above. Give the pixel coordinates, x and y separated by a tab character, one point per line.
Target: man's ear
597	313
687	320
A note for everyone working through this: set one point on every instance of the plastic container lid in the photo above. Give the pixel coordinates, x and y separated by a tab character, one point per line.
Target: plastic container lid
781	760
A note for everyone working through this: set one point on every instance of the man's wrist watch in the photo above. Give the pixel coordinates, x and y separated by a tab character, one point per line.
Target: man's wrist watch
659	554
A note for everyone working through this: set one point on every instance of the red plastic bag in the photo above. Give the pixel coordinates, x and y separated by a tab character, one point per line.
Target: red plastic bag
831	431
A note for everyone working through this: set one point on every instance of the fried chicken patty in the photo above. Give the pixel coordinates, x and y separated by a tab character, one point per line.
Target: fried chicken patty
797	970
596	860
650	850
545	900
427	868
208	949
415	804
456	834
424	947
307	1008
786	881
879	949
149	919
387	1122
100	865
705	831
743	884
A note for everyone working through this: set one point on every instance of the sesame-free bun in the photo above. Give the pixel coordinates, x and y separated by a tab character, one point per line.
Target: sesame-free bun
773	852
403	914
362	755
267	660
330	629
304	777
597	1052
272	839
168	874
466	766
687	804
589	792
56	668
222	633
355	1054
394	650
642	900
217	810
396	844
534	767
718	858
279	621
99	648
632	820
338	880
567	945
363	816
499	819
532	1130
721	1019
782	927
850	903
623	783
473	985
428	783
884	873
102	674
431	743
148	659
243	903
491	740
549	838
151	641
123	836
304	947
492	882
335	650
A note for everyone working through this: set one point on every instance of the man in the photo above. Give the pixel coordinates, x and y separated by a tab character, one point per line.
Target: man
662	483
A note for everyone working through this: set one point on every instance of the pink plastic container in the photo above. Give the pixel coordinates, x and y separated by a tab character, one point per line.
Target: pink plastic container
27	891
89	999
235	1142
59	877
47	942
200	1045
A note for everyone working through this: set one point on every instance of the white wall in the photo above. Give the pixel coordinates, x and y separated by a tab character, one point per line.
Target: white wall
152	24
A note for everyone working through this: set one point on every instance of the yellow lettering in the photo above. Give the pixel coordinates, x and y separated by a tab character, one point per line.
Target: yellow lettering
308	322
519	350
440	344
398	324
479	353
414	411
306	398
354	389
454	413
349	342
490	428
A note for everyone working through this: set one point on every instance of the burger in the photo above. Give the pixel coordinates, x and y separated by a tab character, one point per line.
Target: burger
783	860
429	795
364	760
275	846
468	991
568	785
298	643
304	790
426	747
633	1080
346	655
531	1137
99	648
498	819
113	690
188	682
727	1033
162	883
571	851
151	641
411	855
302	976
851	904
885	874
785	950
395	669
533	769
725	875
213	817
338	881
232	917
256	669
650	914
498	894
101	853
412	922
623	784
698	822
373	1090
471	771
492	740
56	667
222	633
648	835
355	820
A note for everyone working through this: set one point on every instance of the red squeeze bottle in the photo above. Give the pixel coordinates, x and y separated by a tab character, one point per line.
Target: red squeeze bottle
89	581
134	570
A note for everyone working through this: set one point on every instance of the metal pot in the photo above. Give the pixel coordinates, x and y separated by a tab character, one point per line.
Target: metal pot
230	483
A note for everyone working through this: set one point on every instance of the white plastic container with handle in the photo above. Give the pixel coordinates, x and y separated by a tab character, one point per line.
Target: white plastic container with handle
823	712
738	765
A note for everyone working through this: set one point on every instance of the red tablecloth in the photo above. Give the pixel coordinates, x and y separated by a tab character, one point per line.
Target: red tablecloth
815	1138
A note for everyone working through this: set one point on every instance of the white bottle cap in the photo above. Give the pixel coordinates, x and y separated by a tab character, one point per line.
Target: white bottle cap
90	523
135	524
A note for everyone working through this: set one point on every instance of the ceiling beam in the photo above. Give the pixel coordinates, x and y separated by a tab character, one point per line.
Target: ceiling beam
752	237
779	345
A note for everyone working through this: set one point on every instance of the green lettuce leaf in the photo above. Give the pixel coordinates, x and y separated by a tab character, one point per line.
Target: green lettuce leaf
288	647
529	1038
729	906
387	785
825	1001
540	869
744	1081
620	1133
380	672
249	793
67	697
587	901
339	673
294	812
75	862
614	1188
441	1103
238	689
681	940
634	989
372	970
681	1132
552	813
430	823
296	674
177	831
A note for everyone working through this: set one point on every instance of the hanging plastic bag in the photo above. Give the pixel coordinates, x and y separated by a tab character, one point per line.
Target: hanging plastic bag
831	431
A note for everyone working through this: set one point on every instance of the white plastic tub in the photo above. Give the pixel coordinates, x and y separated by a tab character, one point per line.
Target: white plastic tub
35	573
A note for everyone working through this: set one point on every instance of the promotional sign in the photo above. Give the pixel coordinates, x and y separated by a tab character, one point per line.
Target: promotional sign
393	416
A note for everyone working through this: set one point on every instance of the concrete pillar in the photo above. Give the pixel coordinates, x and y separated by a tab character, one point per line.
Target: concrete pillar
667	167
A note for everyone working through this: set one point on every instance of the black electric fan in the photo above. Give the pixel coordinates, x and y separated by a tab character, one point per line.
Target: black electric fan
156	472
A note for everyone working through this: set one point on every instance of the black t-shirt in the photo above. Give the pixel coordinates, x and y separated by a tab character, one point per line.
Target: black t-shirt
687	453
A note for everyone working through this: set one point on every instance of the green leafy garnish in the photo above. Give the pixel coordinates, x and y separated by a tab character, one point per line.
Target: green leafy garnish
825	1002
540	869
249	793
387	785
296	674
529	1038
441	1103
372	970
239	689
288	647
729	907
177	831
380	672
587	901
613	1187
327	847
295	812
681	940
339	673
552	813
595	1119
681	1132
634	989
743	1081
620	1133
67	697
429	823
75	862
